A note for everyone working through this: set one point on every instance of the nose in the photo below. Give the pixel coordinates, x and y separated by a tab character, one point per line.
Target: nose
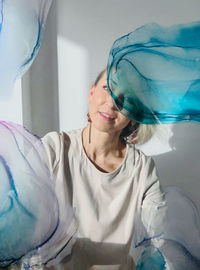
110	102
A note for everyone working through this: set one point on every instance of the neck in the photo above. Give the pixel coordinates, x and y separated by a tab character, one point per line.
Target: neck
102	144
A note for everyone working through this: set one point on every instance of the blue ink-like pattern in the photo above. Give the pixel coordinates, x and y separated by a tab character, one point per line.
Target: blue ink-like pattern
22	24
1	14
31	228
151	258
170	233
154	73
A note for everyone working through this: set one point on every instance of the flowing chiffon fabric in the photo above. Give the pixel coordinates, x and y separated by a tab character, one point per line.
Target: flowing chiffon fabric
170	234
22	24
31	227
154	73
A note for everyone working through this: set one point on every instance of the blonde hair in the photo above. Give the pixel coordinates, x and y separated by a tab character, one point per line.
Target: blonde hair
143	133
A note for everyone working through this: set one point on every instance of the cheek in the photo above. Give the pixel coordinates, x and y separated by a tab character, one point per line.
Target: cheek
96	100
124	122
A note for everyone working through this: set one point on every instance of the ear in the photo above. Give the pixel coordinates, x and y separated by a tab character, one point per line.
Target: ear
92	87
133	123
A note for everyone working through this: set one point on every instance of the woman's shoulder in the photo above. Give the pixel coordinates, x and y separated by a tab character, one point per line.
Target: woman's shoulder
52	137
140	158
148	171
58	142
55	138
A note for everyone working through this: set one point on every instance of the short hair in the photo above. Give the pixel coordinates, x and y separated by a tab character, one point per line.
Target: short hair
100	75
143	133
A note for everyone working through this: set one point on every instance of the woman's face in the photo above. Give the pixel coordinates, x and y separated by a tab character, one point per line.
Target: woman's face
104	115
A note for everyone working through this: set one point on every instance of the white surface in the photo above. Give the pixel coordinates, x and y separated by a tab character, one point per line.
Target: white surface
73	84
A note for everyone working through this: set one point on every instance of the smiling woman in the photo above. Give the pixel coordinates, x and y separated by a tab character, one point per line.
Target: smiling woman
140	132
105	179
117	195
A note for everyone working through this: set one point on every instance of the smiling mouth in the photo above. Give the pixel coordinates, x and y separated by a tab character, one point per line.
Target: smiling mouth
107	116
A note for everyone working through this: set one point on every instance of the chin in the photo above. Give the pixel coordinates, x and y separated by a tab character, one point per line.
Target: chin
105	129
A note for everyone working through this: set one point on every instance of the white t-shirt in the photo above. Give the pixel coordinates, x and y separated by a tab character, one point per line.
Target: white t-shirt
106	204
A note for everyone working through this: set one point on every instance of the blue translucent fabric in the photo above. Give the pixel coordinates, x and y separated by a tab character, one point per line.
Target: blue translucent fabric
151	258
154	73
170	233
22	23
30	224
32	228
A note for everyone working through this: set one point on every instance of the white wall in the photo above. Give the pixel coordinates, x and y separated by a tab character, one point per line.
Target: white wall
85	33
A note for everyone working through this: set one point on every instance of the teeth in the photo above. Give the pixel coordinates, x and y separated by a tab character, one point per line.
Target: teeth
106	115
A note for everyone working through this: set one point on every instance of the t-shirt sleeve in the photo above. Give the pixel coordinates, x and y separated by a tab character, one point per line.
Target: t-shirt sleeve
151	213
153	193
153	209
52	144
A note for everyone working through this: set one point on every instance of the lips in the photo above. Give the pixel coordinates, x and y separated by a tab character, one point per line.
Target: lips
107	116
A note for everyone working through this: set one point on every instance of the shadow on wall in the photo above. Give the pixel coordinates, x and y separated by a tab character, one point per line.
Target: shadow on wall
181	166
